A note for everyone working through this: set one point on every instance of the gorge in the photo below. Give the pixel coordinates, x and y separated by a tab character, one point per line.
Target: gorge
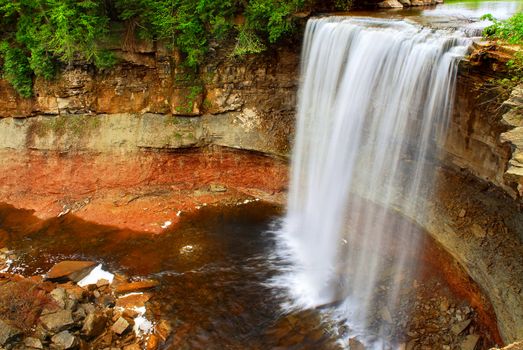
159	174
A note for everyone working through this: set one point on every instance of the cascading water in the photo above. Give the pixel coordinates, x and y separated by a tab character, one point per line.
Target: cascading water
375	95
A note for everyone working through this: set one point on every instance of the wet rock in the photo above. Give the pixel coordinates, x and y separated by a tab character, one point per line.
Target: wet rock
70	270
385	315
389	4
478	231
102	283
217	188
8	332
59	295
133	300
57	321
64	340
135	286
94	325
470	342
163	329
444	305
132	347
120	326
153	342
33	343
459	327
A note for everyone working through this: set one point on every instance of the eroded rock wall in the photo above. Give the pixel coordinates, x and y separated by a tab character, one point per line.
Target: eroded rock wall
150	101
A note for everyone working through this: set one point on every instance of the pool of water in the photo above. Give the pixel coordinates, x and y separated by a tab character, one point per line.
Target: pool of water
216	271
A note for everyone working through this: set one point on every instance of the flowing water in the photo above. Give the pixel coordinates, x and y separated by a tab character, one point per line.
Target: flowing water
375	96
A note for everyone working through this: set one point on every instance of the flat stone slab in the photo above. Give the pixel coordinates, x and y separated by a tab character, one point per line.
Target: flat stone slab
135	286
70	270
57	321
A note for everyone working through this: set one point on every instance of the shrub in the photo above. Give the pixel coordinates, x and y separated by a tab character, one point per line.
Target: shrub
41	35
22	303
510	31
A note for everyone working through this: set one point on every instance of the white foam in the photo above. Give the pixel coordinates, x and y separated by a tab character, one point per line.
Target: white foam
167	224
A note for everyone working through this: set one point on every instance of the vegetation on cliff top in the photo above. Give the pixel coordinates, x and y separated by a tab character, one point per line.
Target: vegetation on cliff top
38	36
511	32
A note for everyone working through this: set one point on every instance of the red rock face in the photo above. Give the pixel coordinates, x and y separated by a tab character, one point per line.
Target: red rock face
140	191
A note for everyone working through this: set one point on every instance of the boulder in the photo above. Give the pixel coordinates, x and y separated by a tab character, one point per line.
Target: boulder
94	325
70	270
33	343
64	340
389	4
120	326
8	332
57	321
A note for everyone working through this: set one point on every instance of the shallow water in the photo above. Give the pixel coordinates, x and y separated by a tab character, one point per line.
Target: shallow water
215	270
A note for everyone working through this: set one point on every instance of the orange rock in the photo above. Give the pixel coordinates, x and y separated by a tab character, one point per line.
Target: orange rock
135	286
133	300
70	270
163	329
153	342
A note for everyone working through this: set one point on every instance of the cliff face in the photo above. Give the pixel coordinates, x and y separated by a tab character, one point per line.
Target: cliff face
148	101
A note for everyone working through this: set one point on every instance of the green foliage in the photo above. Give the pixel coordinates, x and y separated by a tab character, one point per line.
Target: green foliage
17	70
248	43
41	35
510	31
44	33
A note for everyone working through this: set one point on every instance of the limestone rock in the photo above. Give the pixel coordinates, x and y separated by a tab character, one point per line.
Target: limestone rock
132	347
133	300
64	340
57	321
8	332
135	286
458	328
470	342
59	296
70	270
33	343
389	4
120	326
94	325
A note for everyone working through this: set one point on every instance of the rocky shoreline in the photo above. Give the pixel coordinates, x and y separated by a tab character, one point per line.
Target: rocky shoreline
70	307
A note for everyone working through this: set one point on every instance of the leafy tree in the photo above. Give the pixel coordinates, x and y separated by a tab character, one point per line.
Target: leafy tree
45	33
38	36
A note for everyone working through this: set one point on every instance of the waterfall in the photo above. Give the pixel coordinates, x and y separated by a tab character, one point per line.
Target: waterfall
375	97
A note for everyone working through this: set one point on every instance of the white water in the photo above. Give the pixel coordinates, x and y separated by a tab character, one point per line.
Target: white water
374	97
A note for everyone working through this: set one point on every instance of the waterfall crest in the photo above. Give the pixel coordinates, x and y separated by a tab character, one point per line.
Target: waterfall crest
375	96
